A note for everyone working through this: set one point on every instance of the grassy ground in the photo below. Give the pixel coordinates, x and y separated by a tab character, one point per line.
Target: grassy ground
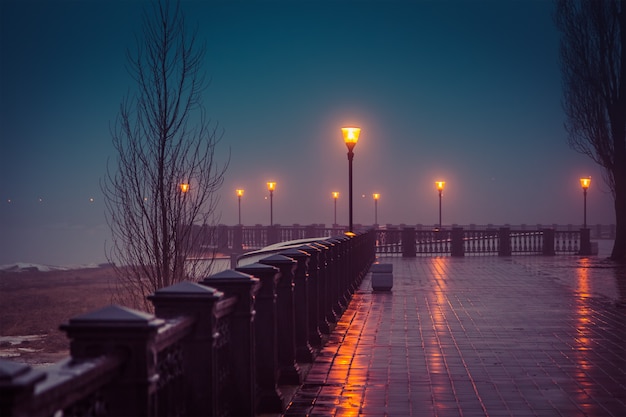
35	303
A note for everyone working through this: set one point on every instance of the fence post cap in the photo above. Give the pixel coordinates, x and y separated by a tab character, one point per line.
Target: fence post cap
230	274
187	288
295	253
310	249
113	316
277	259
256	267
18	375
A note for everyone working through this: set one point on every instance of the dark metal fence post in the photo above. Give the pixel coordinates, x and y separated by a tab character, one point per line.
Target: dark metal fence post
222	237
199	358
273	234
548	242
504	241
324	309
352	277
244	287
269	397
585	242
288	369
315	338
341	266
333	278
304	351
408	242
131	333
456	246
17	386
237	238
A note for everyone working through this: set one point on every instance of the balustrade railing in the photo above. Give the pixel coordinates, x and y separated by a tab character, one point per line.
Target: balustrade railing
388	241
481	242
221	347
567	242
460	242
432	242
478	239
245	238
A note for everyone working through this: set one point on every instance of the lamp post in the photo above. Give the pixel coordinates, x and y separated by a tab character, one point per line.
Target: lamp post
440	185
585	183
335	197
271	186
376	197
239	195
350	137
184	189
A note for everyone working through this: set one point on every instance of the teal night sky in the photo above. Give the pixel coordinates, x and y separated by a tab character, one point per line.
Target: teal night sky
460	90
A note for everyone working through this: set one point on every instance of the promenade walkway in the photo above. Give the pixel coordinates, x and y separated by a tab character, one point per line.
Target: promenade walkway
481	336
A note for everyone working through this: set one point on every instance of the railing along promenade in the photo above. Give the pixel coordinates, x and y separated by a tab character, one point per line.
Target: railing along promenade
223	346
504	241
451	240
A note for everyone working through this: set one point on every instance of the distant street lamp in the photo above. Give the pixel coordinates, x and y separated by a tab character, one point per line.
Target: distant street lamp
440	185
239	195
335	197
376	197
351	137
585	183
271	186
184	189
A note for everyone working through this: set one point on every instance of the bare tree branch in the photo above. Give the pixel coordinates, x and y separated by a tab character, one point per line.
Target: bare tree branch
593	64
162	139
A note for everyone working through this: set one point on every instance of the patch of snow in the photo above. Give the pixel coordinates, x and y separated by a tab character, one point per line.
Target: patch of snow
18	340
22	266
29	350
31	267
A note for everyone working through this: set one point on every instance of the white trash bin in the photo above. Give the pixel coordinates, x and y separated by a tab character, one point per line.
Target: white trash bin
382	276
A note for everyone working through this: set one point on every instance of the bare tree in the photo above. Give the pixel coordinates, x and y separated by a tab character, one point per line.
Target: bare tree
593	64
164	185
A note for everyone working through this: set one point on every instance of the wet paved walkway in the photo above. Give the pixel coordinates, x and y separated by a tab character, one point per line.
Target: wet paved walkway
520	336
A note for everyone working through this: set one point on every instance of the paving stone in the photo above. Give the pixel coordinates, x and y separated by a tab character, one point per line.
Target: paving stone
477	336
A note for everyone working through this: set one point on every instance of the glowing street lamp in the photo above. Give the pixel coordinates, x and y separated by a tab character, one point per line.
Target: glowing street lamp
271	186
585	183
239	195
350	137
184	189
335	197
376	197
440	185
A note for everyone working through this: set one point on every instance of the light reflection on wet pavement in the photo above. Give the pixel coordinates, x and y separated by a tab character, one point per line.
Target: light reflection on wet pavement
483	336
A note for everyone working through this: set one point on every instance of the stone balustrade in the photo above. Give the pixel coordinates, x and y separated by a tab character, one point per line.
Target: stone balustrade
220	347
